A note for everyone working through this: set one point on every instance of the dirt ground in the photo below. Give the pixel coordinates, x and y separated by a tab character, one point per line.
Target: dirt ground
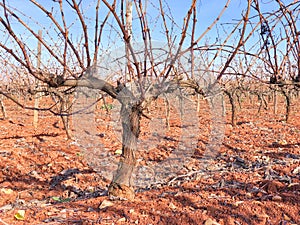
253	179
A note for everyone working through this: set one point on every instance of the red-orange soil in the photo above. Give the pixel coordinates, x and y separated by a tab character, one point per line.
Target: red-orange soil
253	179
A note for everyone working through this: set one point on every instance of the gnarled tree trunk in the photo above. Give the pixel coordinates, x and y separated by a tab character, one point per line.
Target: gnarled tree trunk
121	185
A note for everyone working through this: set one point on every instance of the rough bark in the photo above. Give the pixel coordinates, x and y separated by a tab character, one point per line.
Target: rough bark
121	185
233	108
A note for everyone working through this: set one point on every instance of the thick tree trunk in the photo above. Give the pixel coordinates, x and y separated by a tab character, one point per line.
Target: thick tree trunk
233	108
121	185
287	97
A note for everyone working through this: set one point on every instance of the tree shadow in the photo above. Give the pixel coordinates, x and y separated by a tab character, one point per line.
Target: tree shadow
219	210
234	148
21	178
279	145
237	191
56	183
242	122
38	136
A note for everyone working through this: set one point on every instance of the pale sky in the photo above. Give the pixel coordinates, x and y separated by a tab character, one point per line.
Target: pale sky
207	11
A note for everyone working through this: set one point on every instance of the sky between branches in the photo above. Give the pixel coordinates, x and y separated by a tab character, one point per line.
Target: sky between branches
175	10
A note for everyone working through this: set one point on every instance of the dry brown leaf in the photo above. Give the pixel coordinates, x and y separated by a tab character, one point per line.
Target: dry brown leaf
123	219
172	206
210	222
105	204
6	191
276	198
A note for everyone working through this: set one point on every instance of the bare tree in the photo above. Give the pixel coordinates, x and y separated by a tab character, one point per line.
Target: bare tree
73	45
